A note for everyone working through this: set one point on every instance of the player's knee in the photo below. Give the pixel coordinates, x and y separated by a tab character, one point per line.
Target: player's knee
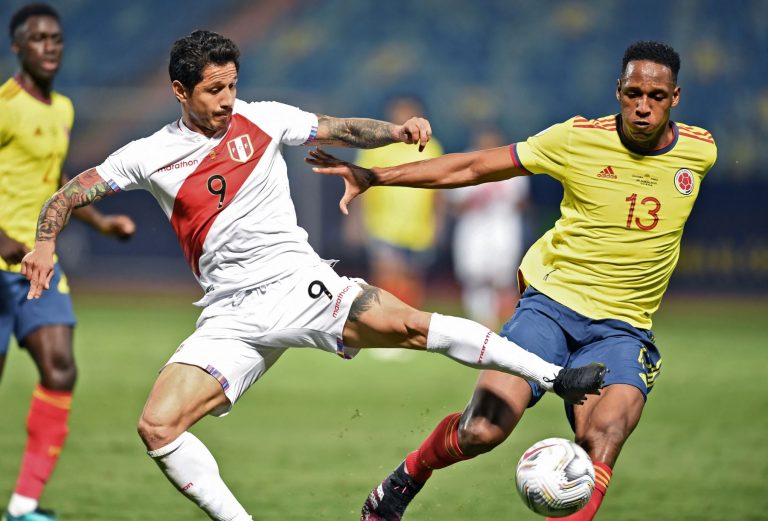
156	433
479	436
59	375
415	327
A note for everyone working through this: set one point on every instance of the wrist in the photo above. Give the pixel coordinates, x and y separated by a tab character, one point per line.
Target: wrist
45	246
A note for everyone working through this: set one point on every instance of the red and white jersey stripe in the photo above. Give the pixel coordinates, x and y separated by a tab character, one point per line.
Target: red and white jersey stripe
227	198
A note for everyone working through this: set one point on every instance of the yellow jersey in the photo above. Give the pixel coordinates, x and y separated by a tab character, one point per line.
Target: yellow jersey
613	249
398	215
34	138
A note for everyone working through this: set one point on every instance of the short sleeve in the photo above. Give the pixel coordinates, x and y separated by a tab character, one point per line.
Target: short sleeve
121	170
291	125
546	152
7	123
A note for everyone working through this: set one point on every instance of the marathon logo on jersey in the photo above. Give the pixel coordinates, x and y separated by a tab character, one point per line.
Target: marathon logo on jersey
240	148
339	297
684	181
180	164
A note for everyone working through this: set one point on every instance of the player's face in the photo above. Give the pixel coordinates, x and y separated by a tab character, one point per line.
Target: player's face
646	94
208	108
39	46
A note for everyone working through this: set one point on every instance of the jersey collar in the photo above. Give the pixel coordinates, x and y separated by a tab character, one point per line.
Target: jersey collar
658	151
41	99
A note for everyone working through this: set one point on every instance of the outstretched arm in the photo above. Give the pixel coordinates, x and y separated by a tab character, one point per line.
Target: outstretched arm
370	133
81	191
120	226
448	171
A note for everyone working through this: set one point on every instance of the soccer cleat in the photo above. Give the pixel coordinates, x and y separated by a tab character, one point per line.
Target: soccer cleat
573	384
388	501
39	514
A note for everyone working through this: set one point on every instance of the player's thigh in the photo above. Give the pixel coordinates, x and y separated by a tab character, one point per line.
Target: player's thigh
53	308
180	396
379	319
634	365
227	363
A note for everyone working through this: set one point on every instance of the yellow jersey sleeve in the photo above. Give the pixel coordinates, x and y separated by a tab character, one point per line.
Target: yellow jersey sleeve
546	152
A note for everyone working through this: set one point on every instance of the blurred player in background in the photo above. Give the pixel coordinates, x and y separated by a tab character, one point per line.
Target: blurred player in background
400	227
219	175
593	282
488	240
34	136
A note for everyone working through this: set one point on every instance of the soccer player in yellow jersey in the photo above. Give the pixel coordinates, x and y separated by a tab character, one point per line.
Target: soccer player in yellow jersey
593	281
401	226
34	136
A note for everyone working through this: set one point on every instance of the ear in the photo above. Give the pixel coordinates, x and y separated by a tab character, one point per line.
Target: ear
676	96
179	91
15	48
618	89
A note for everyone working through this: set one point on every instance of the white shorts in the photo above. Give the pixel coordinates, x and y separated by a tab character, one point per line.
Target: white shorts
239	338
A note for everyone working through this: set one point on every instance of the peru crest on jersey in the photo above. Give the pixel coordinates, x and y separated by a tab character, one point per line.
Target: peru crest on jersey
240	148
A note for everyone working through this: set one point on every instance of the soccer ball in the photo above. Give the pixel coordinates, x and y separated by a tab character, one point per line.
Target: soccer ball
555	477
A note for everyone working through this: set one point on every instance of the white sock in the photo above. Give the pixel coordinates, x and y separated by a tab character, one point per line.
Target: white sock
20	505
190	466
477	346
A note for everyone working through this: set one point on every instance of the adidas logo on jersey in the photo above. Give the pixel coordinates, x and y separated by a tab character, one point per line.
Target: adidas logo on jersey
607	173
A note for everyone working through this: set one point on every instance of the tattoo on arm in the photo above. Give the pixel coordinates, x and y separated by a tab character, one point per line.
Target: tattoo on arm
368	298
353	132
83	190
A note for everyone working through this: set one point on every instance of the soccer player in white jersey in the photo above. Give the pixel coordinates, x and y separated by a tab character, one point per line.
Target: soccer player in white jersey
218	174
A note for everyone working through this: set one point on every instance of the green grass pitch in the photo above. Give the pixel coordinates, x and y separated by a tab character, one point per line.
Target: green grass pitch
310	440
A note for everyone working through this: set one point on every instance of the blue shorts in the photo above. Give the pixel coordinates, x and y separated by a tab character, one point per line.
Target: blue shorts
561	336
20	317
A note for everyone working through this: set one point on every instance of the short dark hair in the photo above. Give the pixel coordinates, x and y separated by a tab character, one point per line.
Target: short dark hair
28	11
191	54
655	52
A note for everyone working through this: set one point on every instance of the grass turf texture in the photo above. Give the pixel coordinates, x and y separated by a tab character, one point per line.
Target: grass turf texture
310	440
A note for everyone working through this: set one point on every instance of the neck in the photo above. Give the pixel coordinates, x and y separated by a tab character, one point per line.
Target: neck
39	89
663	138
194	127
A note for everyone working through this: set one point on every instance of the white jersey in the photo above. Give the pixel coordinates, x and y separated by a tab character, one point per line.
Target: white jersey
227	198
488	238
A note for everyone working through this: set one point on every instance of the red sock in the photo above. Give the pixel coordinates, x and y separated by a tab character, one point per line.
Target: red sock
602	479
438	451
46	431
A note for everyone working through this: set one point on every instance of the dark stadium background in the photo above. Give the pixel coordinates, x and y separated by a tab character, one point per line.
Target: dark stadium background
519	65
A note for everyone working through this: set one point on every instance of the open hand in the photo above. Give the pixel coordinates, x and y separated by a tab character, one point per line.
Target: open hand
120	226
415	130
356	179
37	266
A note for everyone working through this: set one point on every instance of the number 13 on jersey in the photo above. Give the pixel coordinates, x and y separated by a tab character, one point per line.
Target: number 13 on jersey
649	211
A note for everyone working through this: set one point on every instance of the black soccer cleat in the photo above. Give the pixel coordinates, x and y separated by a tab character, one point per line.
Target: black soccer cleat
388	501
573	384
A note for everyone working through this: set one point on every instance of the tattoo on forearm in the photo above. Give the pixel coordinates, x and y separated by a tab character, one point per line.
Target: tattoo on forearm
354	132
368	298
81	191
